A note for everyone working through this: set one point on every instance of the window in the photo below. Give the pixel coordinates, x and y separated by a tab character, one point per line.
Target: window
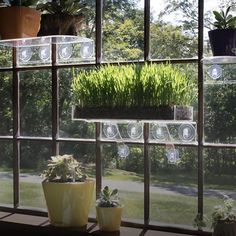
35	118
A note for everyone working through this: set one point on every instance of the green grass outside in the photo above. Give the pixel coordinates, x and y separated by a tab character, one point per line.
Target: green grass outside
165	208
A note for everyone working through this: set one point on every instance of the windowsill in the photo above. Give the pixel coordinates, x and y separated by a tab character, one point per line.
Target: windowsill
27	224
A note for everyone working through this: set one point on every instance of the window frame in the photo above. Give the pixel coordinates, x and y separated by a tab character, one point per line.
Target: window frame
55	139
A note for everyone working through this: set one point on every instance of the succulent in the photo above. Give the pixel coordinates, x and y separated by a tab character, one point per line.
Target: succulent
200	221
64	169
108	198
224	212
224	20
66	7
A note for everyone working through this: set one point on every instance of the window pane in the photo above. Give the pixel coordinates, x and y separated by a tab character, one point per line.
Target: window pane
5	56
6	104
173	187
219	169
173	29
220	97
6	173
35	103
34	155
70	128
123	30
126	174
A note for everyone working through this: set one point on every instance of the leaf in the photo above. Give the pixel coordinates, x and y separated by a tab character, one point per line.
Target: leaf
227	11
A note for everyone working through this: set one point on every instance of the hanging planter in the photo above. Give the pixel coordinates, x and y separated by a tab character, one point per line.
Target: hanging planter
149	92
137	113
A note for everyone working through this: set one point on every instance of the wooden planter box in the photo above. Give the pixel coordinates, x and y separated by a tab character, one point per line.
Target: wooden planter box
136	113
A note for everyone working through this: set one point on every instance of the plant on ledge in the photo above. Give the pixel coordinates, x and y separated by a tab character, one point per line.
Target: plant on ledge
67	190
18	19
224	218
132	91
64	169
61	17
109	210
223	36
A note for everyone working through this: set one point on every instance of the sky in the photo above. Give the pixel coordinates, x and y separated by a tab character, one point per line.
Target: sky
158	5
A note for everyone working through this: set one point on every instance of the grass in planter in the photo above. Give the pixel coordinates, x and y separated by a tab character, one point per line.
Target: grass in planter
150	85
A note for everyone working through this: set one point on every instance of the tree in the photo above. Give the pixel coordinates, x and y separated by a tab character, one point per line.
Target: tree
168	41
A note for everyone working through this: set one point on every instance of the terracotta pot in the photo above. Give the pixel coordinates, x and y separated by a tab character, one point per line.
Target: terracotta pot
19	22
68	204
109	218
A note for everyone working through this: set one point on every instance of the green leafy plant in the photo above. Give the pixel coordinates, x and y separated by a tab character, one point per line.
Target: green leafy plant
25	3
200	221
224	212
64	169
108	198
65	7
224	20
150	85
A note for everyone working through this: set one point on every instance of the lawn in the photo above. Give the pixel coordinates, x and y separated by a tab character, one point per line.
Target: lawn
173	208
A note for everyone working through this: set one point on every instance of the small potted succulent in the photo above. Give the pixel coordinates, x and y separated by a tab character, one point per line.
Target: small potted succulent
223	36
68	192
61	17
19	19
109	210
224	218
200	221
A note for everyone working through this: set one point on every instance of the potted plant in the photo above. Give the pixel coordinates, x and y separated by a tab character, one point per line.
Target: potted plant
200	222
61	17
19	19
223	37
68	192
109	210
151	91
224	218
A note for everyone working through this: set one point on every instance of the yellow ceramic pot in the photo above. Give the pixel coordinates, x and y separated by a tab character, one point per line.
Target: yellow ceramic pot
109	218
19	22
68	204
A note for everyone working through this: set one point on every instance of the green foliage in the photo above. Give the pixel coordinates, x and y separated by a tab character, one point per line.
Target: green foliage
66	7
133	86
224	212
169	41
64	169
224	20
25	3
108	198
200	221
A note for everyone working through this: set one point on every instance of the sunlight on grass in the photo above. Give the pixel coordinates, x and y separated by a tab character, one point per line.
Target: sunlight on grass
31	195
116	174
6	191
165	207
